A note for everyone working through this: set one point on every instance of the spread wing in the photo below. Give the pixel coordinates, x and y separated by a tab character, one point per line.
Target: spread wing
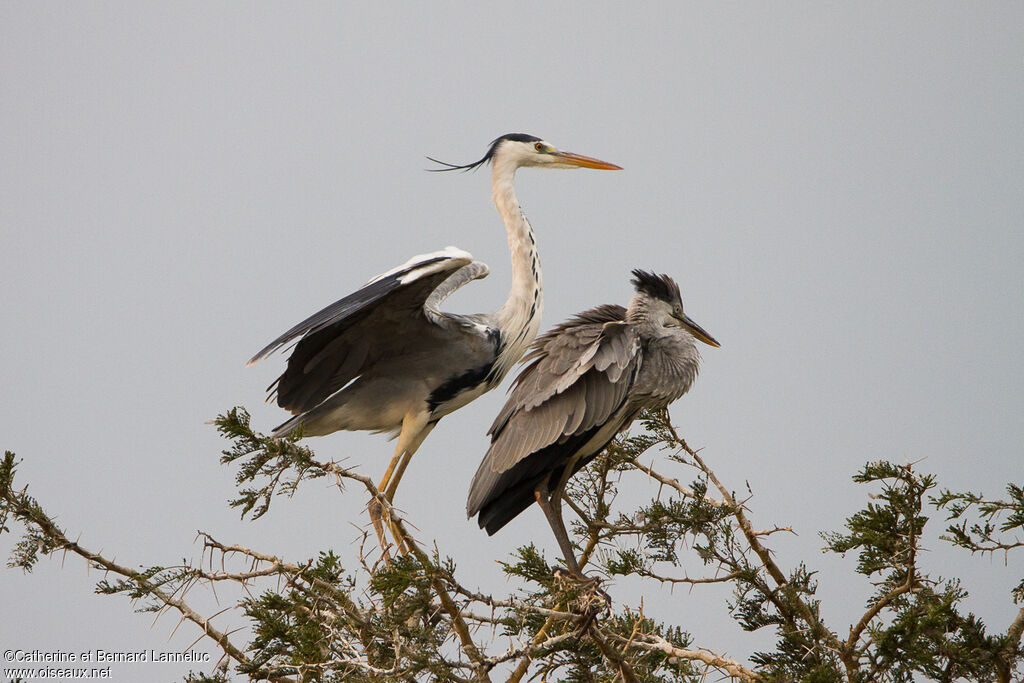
579	375
379	320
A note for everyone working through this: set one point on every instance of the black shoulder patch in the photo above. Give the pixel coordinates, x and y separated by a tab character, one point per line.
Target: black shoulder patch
454	386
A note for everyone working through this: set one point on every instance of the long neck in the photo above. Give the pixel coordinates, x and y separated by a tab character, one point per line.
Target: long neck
519	318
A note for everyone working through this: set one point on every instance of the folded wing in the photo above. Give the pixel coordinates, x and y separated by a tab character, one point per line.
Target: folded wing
578	378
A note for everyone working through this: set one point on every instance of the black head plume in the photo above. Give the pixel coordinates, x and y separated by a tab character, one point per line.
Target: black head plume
658	286
515	137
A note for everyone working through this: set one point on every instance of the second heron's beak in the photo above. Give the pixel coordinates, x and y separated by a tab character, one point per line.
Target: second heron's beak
578	160
696	330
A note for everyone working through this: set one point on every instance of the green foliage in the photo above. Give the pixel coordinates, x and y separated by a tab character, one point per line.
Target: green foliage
990	530
139	587
23	507
886	534
220	675
918	626
280	464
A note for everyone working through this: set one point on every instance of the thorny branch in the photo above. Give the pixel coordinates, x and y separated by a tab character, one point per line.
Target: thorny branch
412	619
24	508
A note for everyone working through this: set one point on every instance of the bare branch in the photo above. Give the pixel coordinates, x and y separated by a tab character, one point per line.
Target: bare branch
47	527
685	579
675	484
658	644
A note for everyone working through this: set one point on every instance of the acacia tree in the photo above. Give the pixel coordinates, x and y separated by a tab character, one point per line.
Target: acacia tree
412	618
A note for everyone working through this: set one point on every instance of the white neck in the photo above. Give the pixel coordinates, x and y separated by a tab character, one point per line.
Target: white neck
519	318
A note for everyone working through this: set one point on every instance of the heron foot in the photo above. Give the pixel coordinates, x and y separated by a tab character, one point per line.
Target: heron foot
576	577
592	600
376	511
379	518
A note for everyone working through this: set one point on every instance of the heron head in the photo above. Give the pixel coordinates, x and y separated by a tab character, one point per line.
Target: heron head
659	304
517	150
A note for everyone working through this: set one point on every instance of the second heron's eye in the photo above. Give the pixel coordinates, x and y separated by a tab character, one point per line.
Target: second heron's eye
539	147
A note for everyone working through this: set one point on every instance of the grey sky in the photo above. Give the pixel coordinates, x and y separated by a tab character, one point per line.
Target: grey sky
837	189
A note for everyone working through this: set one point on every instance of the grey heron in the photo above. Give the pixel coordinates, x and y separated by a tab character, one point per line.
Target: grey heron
387	359
584	381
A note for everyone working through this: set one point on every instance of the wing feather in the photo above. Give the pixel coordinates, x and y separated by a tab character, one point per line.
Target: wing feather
576	409
580	375
336	343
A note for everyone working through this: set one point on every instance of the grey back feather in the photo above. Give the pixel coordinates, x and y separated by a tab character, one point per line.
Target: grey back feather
579	375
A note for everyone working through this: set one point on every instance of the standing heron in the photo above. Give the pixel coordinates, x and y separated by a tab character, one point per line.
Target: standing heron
387	359
589	378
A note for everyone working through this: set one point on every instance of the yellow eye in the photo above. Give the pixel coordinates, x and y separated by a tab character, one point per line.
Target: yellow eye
539	147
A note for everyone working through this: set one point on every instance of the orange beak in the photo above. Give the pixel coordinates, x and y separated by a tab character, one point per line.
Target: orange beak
571	159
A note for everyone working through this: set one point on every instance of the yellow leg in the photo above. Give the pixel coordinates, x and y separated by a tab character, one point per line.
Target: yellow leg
397	477
390	470
399	471
414	430
409	439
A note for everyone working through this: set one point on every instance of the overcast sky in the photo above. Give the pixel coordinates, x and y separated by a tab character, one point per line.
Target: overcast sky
837	189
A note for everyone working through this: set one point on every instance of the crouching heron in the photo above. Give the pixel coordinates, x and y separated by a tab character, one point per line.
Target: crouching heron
387	359
587	379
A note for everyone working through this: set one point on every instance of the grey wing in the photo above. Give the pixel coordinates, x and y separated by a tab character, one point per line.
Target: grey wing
580	376
337	343
557	359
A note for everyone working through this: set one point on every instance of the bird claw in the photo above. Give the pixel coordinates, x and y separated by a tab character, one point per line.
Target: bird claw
376	511
591	605
592	600
382	523
577	578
